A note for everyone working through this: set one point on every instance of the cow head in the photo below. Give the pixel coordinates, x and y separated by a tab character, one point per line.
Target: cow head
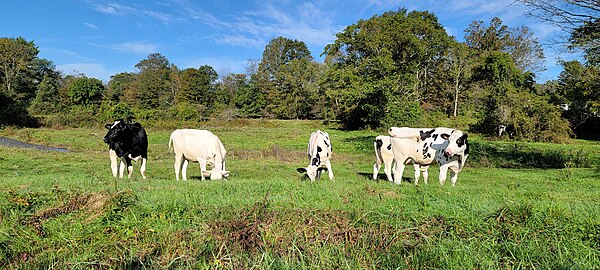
115	131
313	172
216	174
458	145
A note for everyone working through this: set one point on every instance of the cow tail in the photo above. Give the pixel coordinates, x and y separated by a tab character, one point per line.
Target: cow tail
171	143
378	158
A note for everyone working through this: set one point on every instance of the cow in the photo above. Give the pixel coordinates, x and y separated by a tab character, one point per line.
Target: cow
448	147
319	156
126	142
200	146
384	154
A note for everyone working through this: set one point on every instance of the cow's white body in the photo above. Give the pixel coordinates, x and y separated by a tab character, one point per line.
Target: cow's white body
319	155
200	146
385	155
448	147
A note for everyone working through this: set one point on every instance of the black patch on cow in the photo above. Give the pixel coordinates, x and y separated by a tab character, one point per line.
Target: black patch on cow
435	136
316	160
379	143
426	134
389	147
445	136
319	149
445	155
326	143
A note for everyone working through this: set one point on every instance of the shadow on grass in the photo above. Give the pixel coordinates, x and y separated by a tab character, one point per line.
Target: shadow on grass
381	177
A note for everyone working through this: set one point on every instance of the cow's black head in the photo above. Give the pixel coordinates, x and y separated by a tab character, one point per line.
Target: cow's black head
116	131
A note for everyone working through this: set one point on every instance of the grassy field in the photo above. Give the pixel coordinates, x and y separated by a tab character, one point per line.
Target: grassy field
64	210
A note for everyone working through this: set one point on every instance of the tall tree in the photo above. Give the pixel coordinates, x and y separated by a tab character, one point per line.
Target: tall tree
17	58
579	18
152	86
458	66
519	42
197	85
382	68
286	74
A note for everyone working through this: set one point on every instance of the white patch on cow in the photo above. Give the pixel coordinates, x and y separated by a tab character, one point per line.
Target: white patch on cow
385	155
115	124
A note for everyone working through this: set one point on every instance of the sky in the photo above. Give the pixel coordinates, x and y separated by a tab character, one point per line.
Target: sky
101	38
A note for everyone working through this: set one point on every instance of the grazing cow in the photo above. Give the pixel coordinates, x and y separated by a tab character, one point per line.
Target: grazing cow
126	142
319	155
448	147
200	146
385	155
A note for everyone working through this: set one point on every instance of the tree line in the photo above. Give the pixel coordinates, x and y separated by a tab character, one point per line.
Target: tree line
399	68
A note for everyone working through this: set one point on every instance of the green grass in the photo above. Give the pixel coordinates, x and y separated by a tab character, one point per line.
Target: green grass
64	210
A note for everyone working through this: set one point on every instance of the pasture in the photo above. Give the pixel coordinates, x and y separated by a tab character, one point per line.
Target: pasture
516	205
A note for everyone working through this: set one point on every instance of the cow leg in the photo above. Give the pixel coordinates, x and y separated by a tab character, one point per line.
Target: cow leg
399	170
376	168
177	164
388	169
129	167
143	168
121	168
443	172
114	162
453	177
328	165
425	173
184	166
202	162
417	173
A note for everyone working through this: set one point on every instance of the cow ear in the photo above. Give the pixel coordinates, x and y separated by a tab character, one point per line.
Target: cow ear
107	126
301	170
445	136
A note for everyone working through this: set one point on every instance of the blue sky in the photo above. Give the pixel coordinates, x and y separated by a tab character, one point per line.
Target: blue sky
102	38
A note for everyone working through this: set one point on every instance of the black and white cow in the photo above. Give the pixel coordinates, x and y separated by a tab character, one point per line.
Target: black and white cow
385	155
319	155
126	142
448	147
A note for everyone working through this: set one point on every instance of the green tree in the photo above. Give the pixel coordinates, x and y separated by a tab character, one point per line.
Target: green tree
519	42
152	87
381	69
86	91
287	77
197	85
579	89
17	58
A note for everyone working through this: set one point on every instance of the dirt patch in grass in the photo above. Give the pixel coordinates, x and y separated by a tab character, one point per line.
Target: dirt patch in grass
293	232
93	203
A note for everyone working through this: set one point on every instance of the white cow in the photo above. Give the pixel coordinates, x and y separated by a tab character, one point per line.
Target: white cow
200	146
319	155
385	155
448	147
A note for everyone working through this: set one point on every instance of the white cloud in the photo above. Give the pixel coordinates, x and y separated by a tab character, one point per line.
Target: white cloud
134	47
91	70
113	9
221	65
240	40
90	25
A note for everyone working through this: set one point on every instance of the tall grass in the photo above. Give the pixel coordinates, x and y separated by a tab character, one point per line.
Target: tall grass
64	210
